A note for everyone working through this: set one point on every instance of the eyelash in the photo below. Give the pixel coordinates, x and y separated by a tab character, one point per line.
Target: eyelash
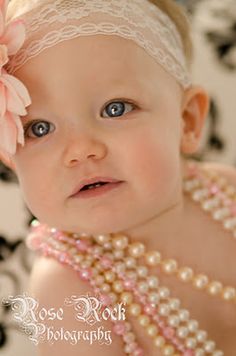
120	100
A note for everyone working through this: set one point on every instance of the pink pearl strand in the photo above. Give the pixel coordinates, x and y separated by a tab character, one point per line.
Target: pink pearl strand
120	328
213	188
129	284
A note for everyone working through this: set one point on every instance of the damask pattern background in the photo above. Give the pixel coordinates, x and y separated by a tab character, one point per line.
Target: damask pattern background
214	67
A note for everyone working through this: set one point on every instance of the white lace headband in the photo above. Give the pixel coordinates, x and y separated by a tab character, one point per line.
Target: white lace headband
48	22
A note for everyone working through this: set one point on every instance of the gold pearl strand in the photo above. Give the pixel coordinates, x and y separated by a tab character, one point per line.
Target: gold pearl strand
187	329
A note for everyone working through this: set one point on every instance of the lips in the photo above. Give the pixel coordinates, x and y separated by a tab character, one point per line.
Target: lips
93	180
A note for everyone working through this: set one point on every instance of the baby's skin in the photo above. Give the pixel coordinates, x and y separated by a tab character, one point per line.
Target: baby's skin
77	88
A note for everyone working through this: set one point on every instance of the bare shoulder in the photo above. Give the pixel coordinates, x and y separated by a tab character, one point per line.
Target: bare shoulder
50	284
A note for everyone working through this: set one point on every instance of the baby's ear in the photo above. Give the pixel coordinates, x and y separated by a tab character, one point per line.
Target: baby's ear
7	160
195	107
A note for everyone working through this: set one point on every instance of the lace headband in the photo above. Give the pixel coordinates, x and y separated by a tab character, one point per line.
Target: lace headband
48	22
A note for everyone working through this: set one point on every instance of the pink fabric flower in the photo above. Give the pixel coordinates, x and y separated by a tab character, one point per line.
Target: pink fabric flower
14	96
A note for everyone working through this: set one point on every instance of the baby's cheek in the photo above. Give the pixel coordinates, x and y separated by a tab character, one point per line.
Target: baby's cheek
155	167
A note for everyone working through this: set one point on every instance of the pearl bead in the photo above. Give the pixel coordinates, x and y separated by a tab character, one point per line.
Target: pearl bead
169	266
143	320
200	281
153	297
143	287
129	337
97	250
108	245
229	293
105	288
101	239
218	353
214	288
164	292
113	296
189	185
185	274
132	275
78	258
159	341
130	262
109	276
142	271
191	343
199	194
174	303
220	214
229	223
164	309
183	314
118	254
201	335
120	242
209	346
199	352
99	279
168	350
153	258
152	330
117	286
94	272
98	265
136	249
193	325
120	267
126	297
134	309
173	320
153	282
182	332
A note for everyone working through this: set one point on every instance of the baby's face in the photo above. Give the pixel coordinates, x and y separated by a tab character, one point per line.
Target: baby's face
73	87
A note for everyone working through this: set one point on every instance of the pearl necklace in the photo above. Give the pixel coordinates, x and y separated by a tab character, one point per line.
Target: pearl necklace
110	264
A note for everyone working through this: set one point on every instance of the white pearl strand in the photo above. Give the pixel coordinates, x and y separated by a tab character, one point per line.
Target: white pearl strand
186	328
218	203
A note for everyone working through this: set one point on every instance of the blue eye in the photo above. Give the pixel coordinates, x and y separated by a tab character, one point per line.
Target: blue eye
38	128
117	108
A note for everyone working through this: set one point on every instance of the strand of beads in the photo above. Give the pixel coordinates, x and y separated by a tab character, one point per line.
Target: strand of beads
40	240
137	250
208	345
213	193
187	275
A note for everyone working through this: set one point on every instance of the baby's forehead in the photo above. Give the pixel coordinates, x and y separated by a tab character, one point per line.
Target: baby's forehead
97	58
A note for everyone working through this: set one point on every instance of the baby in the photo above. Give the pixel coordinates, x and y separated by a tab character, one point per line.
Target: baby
145	241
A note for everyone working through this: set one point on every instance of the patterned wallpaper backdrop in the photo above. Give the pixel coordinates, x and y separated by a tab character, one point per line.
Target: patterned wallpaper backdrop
214	67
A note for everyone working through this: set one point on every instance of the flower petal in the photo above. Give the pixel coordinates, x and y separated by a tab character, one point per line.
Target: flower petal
15	101
14	36
2	24
3	11
3	7
20	130
20	88
8	133
2	100
3	55
4	156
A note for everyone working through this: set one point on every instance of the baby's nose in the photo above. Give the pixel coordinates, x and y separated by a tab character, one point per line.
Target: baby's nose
83	147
